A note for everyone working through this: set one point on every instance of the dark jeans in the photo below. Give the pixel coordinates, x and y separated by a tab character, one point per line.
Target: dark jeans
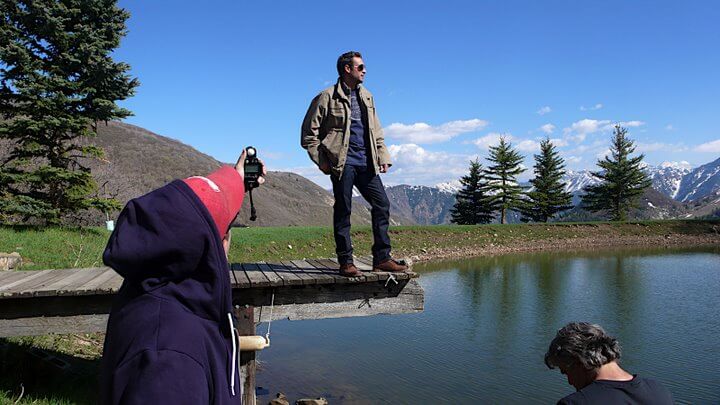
371	188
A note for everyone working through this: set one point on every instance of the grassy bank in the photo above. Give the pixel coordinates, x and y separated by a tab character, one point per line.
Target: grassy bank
55	247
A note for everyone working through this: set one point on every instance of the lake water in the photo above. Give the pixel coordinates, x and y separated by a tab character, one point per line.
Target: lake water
488	322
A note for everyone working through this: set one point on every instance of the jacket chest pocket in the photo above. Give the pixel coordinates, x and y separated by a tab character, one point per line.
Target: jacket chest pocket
371	116
336	117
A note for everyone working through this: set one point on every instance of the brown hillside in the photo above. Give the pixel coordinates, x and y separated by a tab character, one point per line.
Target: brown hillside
138	161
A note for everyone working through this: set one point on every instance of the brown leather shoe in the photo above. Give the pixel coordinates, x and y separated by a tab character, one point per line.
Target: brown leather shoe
391	265
349	270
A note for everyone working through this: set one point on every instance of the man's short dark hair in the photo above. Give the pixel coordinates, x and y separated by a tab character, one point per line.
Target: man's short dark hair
582	343
346	59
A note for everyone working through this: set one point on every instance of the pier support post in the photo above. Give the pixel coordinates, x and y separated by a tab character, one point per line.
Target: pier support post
246	327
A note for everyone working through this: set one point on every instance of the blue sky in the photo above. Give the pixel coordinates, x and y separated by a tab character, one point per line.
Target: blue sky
448	77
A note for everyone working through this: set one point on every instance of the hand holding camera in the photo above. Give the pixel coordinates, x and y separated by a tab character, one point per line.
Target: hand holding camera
253	172
251	168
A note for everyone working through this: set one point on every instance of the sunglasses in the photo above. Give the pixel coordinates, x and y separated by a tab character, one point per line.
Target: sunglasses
360	68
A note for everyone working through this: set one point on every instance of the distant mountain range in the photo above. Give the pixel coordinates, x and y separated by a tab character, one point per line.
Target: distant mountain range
678	191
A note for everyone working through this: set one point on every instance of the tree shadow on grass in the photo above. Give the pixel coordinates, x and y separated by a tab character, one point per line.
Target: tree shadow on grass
46	376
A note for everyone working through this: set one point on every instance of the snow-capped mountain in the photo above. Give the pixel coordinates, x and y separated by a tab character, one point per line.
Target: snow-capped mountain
667	176
699	183
425	205
676	180
450	187
575	182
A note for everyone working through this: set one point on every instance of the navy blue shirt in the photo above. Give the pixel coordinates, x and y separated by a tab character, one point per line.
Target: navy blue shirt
357	155
636	391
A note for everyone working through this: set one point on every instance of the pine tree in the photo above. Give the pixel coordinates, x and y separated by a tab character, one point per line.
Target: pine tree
622	180
548	196
472	205
57	80
503	177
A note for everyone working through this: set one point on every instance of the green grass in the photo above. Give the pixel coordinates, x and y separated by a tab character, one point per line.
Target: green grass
59	247
55	247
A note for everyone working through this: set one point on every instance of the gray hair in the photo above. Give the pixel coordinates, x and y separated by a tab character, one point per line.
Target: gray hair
582	343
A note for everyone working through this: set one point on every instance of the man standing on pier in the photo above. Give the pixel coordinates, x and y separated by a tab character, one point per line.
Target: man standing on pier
343	137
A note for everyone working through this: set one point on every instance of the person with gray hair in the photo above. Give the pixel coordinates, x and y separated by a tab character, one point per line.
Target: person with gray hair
589	358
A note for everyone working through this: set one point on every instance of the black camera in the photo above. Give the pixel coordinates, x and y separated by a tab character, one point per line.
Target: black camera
253	168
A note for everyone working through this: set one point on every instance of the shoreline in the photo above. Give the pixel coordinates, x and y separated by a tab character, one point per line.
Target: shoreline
574	244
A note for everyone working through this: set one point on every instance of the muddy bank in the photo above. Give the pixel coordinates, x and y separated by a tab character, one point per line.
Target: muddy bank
575	243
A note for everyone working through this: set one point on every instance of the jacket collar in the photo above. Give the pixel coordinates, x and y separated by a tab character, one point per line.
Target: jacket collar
341	93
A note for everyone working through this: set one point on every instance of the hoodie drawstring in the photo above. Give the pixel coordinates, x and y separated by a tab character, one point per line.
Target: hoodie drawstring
234	353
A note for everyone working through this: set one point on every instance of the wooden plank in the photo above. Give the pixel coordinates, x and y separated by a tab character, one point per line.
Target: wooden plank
11	276
8	289
271	269
346	304
256	277
272	277
383	275
111	285
26	289
367	270
330	269
238	278
367	261
331	272
285	273
319	276
53	324
362	265
306	278
411	299
69	305
76	282
71	275
91	287
341	279
248	365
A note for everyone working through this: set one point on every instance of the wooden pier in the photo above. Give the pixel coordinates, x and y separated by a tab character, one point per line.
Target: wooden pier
79	300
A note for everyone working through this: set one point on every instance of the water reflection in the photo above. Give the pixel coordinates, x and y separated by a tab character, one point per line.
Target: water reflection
488	321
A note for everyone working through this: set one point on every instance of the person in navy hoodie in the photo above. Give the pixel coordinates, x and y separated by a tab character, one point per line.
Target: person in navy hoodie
170	336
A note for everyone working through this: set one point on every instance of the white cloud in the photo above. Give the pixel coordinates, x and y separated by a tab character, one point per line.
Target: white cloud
413	154
669	127
415	165
587	126
548	128
490	139
659	147
573	159
604	153
630	124
422	133
544	110
579	130
709	147
593	108
559	142
528	146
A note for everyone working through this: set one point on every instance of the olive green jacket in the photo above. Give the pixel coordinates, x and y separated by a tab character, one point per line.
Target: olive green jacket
325	130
